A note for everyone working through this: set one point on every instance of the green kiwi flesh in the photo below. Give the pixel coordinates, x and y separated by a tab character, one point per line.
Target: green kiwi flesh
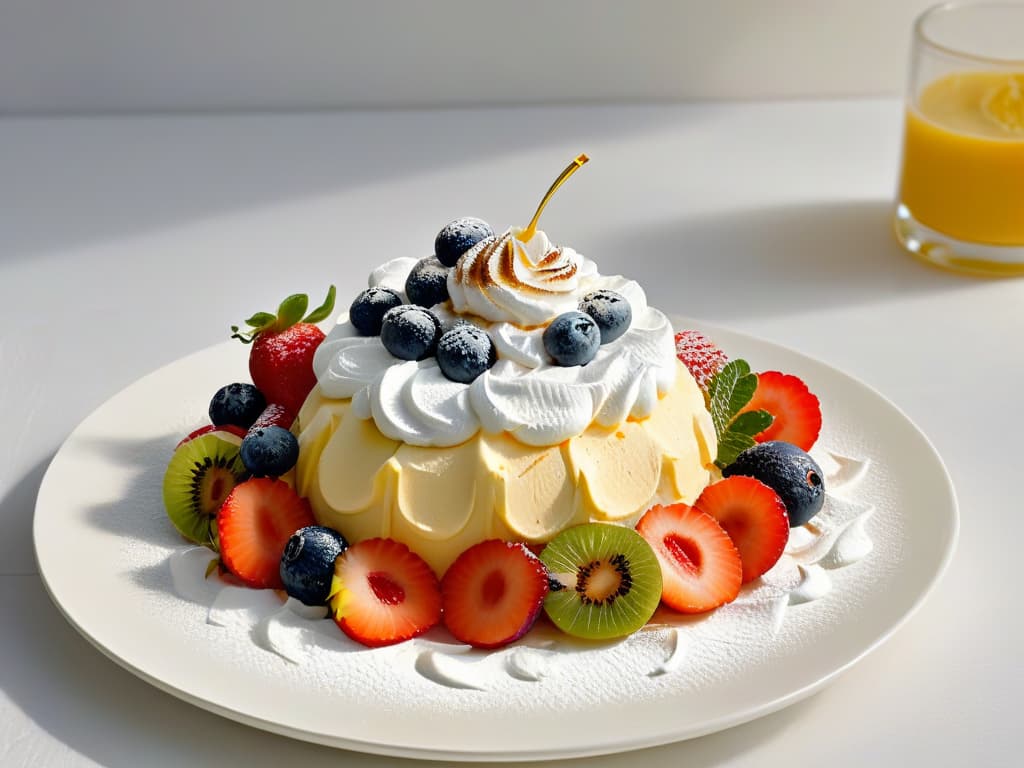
612	581
200	475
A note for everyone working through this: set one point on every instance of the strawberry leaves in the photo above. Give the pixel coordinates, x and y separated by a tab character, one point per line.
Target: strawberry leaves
729	392
290	312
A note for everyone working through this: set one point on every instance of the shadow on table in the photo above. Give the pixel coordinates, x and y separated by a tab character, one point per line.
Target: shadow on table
116	177
100	711
763	262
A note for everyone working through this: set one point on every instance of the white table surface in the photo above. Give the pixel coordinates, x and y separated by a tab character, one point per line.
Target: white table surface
126	243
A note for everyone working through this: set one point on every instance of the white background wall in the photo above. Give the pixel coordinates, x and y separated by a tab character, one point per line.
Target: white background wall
125	55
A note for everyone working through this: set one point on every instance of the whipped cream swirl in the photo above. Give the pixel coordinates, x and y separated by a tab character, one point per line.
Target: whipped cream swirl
524	282
524	394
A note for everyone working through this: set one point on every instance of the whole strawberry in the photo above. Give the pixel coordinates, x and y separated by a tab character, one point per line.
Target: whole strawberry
281	360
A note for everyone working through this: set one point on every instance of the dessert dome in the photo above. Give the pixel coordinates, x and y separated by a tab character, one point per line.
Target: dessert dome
528	444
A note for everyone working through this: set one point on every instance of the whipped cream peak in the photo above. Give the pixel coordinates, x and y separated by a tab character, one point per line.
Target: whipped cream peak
522	280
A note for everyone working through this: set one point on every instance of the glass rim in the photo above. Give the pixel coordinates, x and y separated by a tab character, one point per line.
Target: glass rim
956	5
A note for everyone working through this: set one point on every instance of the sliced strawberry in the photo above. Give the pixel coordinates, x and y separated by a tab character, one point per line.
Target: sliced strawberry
700	566
493	593
754	517
701	356
254	524
383	593
796	409
274	415
229	433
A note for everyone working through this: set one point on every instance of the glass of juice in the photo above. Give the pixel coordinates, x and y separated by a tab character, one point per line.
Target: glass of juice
961	193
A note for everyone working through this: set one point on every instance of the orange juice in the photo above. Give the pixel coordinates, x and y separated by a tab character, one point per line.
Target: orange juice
963	157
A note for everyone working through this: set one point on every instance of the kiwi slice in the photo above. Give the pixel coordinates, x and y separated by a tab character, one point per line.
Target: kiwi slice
612	581
201	474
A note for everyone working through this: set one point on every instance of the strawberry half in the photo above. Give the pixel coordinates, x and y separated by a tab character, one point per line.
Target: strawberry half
700	566
228	433
701	356
796	409
383	593
281	360
254	524
754	517
493	593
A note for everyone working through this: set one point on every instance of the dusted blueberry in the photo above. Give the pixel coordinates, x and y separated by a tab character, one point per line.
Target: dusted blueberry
611	312
269	451
427	283
787	470
367	311
410	332
237	404
572	339
464	352
459	236
307	564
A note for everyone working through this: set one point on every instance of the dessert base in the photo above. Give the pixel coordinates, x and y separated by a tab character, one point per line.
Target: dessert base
441	501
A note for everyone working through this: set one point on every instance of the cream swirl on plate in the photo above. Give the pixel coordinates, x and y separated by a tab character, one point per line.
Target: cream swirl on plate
524	394
527	282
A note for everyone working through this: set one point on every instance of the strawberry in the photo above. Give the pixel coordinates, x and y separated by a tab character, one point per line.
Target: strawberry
225	430
254	524
754	517
701	356
273	415
383	593
493	593
796	410
700	566
281	360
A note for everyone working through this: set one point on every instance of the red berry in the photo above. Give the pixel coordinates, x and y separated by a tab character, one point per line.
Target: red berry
281	364
493	593
274	415
796	410
700	566
701	356
384	593
254	524
754	517
281	360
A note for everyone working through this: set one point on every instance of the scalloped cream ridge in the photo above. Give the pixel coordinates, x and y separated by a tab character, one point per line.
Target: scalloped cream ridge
392	448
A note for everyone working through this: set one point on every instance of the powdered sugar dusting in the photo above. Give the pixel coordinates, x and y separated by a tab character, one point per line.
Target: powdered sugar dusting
547	668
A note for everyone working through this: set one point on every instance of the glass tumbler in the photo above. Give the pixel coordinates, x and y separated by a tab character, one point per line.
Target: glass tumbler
961	192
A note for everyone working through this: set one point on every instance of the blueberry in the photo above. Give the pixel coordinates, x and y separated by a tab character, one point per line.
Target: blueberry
464	352
427	283
572	338
611	312
787	470
237	404
367	311
410	332
459	236
269	451
307	564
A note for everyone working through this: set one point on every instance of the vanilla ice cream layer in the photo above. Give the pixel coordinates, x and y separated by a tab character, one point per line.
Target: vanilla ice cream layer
442	500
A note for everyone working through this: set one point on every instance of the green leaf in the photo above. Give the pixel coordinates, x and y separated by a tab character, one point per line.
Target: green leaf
751	423
261	320
324	310
731	445
721	392
291	311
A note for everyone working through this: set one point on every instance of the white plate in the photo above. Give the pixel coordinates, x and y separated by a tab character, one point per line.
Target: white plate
104	548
